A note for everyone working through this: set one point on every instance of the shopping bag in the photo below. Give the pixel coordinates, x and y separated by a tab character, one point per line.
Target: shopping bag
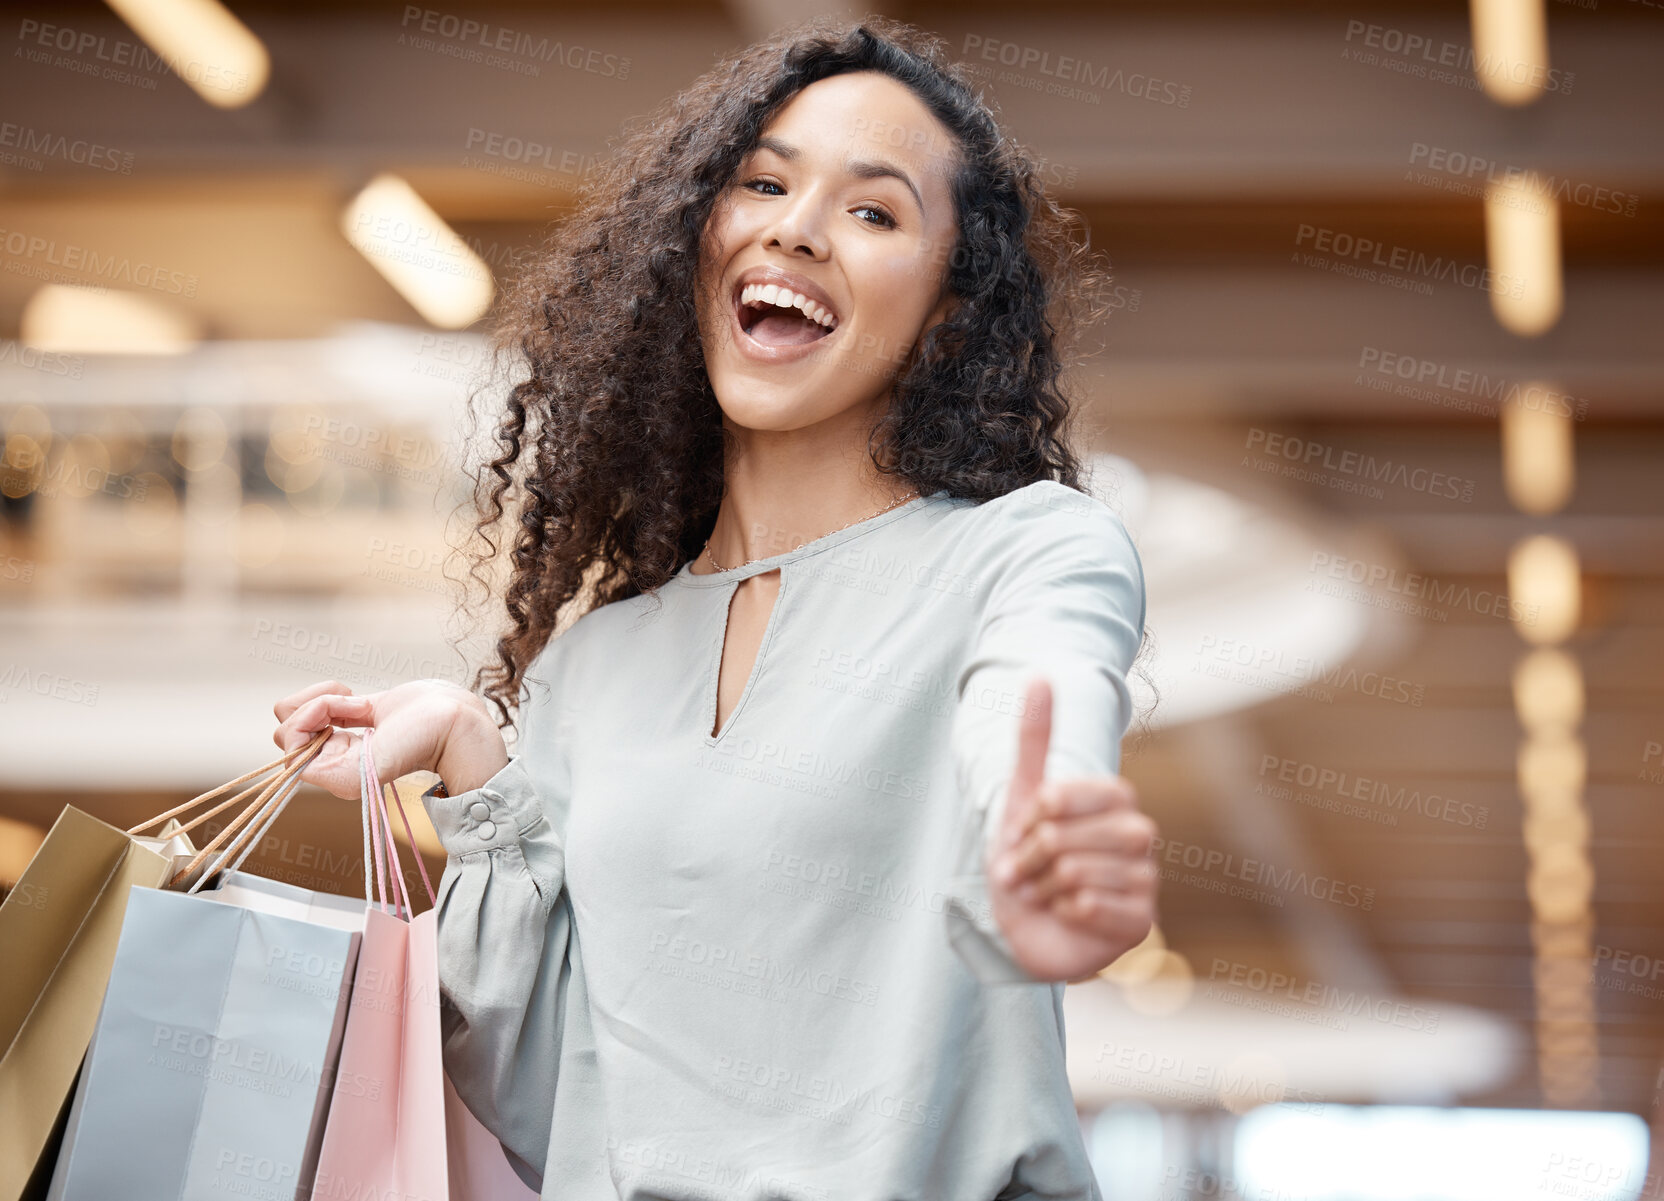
59	929
477	1166
385	1134
209	1068
396	1126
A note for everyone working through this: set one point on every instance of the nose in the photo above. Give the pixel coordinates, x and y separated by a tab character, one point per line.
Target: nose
799	225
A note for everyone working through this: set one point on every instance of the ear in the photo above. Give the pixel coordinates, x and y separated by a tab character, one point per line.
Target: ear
946	308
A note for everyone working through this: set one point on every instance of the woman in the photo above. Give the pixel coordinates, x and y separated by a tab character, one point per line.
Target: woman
814	807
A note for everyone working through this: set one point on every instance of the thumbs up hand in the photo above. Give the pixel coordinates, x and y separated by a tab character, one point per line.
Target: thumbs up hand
1071	880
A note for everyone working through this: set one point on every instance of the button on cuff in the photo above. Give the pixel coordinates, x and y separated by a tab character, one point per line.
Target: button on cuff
489	816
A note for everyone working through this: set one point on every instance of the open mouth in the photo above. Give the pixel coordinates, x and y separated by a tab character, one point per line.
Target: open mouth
776	316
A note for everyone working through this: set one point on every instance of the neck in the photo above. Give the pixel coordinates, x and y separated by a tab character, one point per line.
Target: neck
762	517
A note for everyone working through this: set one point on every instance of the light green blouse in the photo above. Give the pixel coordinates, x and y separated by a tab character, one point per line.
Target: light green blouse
762	965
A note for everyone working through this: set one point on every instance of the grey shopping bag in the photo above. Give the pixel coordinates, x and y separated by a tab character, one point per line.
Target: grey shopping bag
210	1069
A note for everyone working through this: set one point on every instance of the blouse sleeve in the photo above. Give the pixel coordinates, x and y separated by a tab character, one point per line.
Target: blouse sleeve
1065	600
513	1017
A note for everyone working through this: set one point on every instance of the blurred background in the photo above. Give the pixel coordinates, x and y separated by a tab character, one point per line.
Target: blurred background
1381	398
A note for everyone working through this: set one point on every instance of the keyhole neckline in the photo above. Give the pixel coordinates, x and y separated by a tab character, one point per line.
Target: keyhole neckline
733	575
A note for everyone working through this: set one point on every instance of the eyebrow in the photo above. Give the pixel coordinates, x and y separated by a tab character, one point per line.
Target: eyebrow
861	168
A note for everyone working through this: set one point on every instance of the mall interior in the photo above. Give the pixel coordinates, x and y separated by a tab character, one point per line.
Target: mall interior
1373	391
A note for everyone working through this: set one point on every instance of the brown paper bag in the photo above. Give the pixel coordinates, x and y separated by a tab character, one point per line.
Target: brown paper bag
59	928
58	934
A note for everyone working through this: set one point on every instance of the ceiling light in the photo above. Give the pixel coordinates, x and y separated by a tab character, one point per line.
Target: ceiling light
1538	466
1522	243
1543	577
415	251
72	320
1510	49
1548	692
203	44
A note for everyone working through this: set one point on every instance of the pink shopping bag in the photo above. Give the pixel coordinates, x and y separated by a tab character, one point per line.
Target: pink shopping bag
396	1126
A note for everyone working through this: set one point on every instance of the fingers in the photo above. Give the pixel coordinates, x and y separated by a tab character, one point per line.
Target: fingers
1034	735
1089	871
1084	794
1128	918
285	707
327	709
1114	831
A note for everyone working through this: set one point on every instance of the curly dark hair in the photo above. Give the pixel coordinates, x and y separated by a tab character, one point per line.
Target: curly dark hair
608	455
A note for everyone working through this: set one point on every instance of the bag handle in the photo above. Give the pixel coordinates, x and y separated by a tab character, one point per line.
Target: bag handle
377	827
398	801
282	760
271	802
273	794
244	846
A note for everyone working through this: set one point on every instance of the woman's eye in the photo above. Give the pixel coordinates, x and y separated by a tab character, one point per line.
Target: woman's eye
885	220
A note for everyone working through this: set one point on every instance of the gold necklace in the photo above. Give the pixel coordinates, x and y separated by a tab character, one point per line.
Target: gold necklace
900	499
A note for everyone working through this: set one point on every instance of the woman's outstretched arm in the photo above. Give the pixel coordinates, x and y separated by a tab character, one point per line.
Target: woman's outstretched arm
1065	603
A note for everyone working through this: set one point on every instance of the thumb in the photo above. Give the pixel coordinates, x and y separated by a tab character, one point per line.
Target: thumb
1034	735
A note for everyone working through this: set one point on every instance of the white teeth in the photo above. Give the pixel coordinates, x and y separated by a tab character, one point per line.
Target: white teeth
785	298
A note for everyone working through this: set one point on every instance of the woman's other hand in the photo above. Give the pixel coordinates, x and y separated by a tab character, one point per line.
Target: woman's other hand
423	725
1071	879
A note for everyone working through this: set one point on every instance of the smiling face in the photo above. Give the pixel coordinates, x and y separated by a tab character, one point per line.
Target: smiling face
827	257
